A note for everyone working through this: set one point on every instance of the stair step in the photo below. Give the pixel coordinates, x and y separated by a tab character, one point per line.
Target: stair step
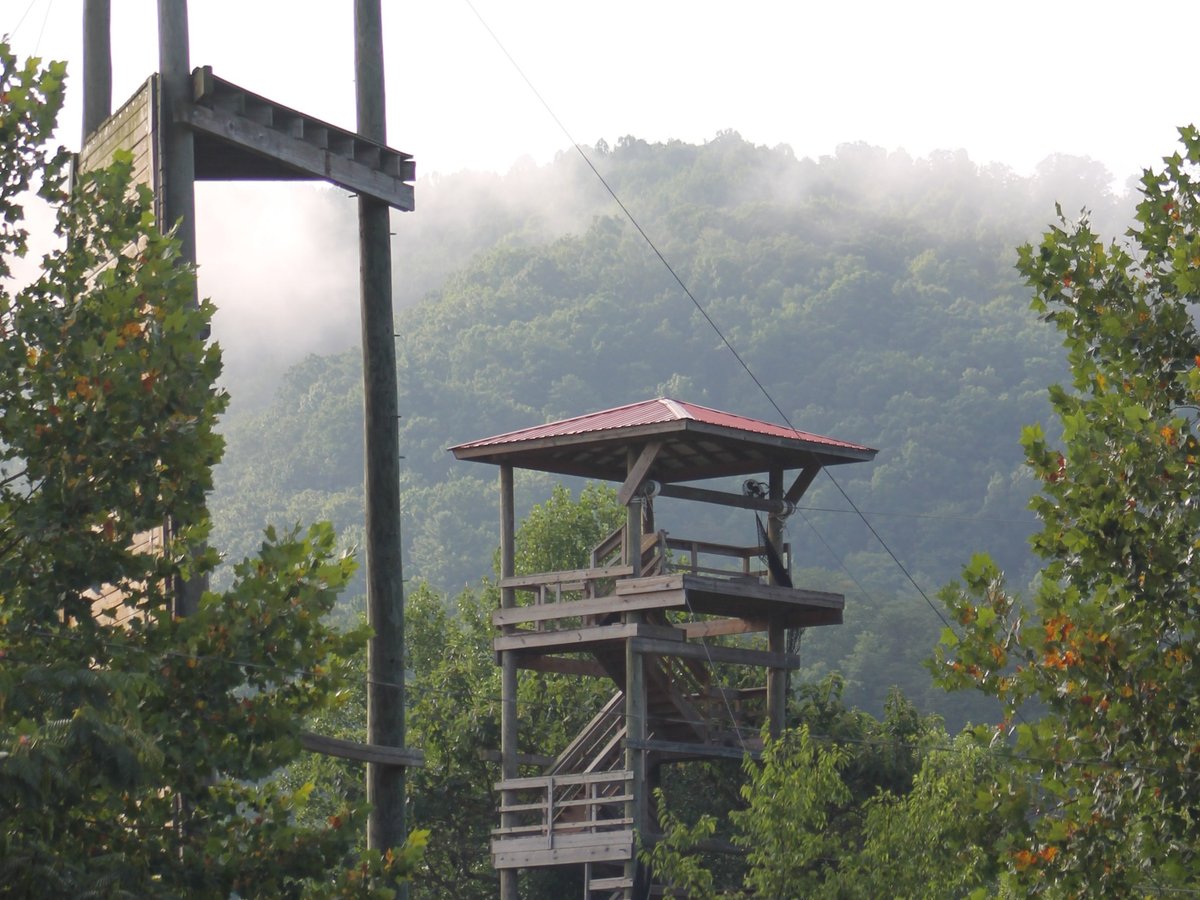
610	884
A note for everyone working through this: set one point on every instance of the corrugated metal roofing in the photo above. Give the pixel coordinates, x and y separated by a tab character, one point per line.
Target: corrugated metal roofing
653	412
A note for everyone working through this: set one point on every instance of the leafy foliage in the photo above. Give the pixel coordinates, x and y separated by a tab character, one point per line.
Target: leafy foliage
844	805
1106	646
137	747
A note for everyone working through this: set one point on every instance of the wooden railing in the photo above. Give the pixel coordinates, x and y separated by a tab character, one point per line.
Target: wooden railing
695	557
556	805
567	599
595	745
550	587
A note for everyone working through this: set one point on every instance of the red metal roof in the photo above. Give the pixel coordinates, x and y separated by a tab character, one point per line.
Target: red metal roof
653	412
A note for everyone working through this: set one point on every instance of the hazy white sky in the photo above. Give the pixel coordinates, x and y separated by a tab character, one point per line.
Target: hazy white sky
1011	82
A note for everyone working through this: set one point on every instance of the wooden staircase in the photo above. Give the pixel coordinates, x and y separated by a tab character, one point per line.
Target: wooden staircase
588	806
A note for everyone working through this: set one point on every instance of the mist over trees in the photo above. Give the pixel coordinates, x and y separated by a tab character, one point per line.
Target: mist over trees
875	296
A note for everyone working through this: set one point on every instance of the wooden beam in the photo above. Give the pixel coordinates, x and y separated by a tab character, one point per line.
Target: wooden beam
577	638
738	656
573	575
684	748
615	847
542	781
359	752
716	627
801	484
562	665
722	498
591	606
633	480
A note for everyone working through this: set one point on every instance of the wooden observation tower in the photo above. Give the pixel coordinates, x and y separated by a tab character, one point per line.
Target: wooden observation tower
650	614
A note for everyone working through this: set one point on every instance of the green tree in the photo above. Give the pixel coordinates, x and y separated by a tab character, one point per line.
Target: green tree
844	805
137	748
454	707
1103	656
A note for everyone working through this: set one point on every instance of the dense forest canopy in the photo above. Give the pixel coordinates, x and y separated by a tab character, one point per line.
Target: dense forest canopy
874	295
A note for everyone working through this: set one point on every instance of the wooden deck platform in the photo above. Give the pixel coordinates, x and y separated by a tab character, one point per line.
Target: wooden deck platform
579	620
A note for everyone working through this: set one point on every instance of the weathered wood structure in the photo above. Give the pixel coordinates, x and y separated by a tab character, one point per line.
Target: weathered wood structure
653	613
185	125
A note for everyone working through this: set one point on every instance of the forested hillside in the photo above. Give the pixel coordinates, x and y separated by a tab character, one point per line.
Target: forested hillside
872	294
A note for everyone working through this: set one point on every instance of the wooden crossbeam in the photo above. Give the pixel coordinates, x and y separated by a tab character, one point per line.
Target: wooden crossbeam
634	480
359	752
739	656
801	484
723	498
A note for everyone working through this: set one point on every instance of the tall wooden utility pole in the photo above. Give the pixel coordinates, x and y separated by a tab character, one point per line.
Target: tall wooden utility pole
97	64
177	159
385	590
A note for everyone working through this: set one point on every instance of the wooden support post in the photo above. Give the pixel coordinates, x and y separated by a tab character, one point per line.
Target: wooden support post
97	64
635	740
633	521
508	671
385	590
177	199
178	156
776	634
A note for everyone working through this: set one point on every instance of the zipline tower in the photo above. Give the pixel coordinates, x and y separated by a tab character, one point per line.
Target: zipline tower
185	125
653	614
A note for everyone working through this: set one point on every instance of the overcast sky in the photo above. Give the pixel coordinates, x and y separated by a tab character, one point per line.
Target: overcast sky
1011	82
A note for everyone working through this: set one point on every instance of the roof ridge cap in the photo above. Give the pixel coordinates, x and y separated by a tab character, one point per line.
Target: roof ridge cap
676	408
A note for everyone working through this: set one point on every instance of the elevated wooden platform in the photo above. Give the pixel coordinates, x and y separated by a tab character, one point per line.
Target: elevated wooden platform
240	135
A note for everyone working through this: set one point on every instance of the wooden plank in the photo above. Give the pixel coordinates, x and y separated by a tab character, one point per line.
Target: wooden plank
560	665
610	884
609	851
576	638
576	839
368	753
597	826
299	155
722	498
684	748
549	579
543	781
563	804
738	656
591	606
633	480
648	584
717	627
